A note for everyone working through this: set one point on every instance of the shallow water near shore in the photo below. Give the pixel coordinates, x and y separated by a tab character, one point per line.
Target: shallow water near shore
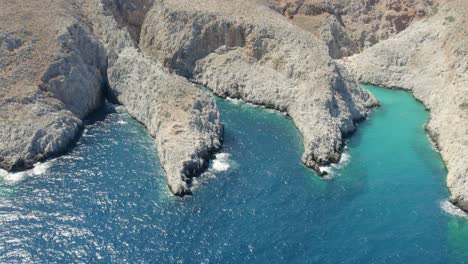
108	201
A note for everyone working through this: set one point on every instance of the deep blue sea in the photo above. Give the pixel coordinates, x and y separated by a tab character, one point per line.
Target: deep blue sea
107	200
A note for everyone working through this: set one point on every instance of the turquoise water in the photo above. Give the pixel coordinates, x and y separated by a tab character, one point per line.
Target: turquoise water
107	200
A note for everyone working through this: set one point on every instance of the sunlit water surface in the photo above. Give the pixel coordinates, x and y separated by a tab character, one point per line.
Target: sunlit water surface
107	199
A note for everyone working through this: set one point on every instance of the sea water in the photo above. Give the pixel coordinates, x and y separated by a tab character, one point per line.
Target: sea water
107	200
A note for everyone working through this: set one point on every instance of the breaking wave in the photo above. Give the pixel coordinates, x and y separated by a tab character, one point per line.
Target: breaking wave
332	169
451	209
16	177
221	163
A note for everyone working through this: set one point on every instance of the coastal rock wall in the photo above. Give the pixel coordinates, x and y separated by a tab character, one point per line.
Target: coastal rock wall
349	26
78	74
52	72
243	49
184	120
430	59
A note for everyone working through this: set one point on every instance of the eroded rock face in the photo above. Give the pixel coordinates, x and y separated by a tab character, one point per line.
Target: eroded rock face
430	58
184	120
52	74
361	24
245	50
129	14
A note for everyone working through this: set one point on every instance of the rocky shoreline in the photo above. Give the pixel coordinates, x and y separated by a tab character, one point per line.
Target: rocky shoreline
292	56
52	76
184	120
86	62
430	59
263	60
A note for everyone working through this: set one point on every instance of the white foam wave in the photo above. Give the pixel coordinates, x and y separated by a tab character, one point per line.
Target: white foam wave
120	109
449	208
16	177
121	122
274	111
248	104
221	163
332	169
234	100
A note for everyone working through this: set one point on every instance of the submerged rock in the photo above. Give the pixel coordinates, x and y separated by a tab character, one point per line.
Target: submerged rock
430	59
243	49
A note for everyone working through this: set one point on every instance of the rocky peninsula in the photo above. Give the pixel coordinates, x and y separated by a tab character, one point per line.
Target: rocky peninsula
56	72
244	49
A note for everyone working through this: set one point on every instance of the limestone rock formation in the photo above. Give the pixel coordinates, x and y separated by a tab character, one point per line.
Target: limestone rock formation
244	49
349	26
57	60
430	58
184	120
52	72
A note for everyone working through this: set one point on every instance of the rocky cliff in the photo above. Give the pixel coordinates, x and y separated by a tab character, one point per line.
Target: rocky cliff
349	26
52	75
184	120
430	58
243	49
55	68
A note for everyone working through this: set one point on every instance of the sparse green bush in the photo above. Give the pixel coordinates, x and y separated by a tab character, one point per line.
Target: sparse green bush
450	19
290	12
434	9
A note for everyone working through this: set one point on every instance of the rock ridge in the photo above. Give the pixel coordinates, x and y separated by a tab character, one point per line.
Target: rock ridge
243	49
184	120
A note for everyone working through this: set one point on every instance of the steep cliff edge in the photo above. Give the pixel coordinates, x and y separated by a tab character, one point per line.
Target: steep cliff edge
243	49
52	72
184	120
430	58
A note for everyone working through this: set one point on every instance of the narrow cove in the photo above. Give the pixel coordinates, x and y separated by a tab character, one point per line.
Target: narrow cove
107	200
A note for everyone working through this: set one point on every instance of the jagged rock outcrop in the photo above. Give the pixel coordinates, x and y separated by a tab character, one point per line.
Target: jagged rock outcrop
243	49
349	26
52	73
430	58
184	120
